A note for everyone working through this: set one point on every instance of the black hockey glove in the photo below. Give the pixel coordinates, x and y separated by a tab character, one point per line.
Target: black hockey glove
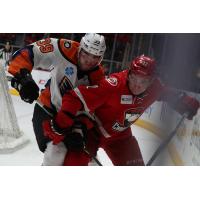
25	85
76	140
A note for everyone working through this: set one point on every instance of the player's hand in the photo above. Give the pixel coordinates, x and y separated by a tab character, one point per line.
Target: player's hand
25	85
52	131
189	105
76	140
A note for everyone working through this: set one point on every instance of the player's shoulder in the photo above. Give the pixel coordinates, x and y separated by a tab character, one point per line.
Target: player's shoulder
69	49
68	44
120	77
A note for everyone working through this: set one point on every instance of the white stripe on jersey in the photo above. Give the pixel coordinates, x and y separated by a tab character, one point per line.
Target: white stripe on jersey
103	131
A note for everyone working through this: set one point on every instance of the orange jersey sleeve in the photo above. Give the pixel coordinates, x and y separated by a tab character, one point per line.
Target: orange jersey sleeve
21	59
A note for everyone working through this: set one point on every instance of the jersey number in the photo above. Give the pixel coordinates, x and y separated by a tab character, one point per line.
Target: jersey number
45	45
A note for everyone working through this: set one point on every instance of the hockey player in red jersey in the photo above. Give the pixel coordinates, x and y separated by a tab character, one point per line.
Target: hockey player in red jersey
71	63
115	104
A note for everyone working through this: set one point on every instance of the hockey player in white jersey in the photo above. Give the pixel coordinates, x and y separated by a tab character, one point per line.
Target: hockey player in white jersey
71	64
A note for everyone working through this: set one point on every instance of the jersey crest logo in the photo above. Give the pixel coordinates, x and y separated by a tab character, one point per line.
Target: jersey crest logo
130	116
69	71
112	81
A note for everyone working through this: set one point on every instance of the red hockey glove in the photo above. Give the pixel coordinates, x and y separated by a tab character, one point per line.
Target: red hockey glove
52	131
188	105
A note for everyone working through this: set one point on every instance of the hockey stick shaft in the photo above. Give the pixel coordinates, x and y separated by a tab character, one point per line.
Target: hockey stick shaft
166	141
93	157
42	106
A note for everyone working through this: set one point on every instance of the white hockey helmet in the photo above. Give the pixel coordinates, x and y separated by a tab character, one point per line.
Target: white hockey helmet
94	44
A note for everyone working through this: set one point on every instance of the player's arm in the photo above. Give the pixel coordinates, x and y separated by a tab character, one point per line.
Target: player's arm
180	101
81	98
39	54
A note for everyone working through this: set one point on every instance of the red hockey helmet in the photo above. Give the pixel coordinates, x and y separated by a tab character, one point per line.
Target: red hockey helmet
143	65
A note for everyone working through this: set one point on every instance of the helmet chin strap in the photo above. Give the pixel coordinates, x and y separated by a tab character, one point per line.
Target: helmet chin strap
100	60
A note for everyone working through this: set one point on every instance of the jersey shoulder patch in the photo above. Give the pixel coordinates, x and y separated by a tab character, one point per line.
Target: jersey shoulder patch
69	49
68	44
112	81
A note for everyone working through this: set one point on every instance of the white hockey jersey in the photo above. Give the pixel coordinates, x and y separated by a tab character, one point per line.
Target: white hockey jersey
60	56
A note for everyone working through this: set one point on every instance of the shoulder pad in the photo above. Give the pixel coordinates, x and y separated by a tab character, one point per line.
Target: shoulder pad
68	49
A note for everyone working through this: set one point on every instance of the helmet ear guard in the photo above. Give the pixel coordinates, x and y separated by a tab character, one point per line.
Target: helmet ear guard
94	44
143	65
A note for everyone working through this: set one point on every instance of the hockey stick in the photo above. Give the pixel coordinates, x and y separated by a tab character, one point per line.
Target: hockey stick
93	157
43	107
166	141
85	150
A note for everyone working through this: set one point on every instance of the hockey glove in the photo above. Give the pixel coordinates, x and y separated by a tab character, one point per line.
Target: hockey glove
76	140
52	131
188	105
25	85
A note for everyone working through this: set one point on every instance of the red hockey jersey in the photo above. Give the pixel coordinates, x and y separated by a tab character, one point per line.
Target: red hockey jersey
111	103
